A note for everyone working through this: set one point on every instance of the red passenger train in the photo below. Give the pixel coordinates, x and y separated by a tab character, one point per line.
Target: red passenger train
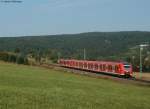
117	68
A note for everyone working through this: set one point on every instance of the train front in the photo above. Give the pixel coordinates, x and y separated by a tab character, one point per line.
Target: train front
128	70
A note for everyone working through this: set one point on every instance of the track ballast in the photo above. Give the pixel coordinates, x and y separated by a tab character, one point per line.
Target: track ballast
115	78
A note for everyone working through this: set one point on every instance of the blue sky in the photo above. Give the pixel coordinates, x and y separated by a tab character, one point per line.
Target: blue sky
42	17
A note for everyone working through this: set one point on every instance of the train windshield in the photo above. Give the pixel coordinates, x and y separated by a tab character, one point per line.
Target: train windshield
127	66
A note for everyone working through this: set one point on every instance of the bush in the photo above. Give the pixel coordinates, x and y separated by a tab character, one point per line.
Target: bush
12	57
4	56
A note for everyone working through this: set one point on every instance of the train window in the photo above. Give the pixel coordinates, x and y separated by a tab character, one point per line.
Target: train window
113	67
85	65
67	62
88	65
96	66
104	67
91	66
70	63
109	67
81	64
100	66
73	63
76	64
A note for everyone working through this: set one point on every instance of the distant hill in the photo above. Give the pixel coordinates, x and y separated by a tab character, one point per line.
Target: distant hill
97	44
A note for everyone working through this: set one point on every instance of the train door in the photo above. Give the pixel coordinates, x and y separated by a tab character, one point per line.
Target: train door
110	68
96	67
116	68
104	68
85	65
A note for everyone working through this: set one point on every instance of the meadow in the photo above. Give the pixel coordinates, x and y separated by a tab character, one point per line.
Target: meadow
27	87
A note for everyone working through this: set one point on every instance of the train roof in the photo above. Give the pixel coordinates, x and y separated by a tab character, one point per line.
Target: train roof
114	62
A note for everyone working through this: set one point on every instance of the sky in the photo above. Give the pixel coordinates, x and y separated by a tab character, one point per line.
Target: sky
49	17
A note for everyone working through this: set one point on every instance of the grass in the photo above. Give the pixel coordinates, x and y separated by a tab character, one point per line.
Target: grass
25	87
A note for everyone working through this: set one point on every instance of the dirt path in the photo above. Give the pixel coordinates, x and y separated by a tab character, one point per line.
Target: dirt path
144	76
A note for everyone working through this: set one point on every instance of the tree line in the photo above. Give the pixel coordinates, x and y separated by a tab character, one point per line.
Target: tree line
108	46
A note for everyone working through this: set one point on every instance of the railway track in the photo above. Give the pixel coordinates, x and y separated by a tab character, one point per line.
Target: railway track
115	78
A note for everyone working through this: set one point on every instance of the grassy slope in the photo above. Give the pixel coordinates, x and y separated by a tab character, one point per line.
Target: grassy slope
23	87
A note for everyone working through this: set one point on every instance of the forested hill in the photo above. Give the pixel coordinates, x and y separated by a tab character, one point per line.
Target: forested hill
96	44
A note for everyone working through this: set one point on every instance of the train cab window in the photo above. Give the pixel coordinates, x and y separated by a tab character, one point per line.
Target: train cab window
127	66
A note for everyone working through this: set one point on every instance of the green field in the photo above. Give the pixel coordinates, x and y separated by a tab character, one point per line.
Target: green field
24	87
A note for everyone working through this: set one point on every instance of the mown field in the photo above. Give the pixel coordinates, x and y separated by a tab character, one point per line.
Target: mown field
25	87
